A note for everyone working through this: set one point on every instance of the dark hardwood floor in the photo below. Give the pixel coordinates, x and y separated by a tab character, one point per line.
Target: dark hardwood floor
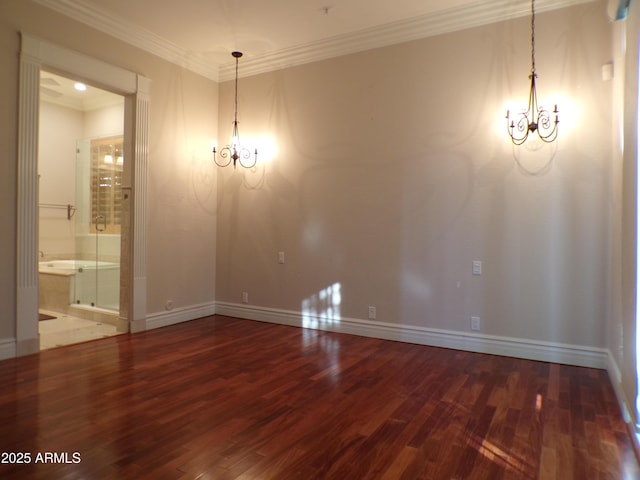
222	398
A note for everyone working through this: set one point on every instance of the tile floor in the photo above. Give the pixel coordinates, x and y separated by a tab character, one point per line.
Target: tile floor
66	330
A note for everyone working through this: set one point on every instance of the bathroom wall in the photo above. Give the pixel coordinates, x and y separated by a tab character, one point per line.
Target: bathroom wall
104	122
60	127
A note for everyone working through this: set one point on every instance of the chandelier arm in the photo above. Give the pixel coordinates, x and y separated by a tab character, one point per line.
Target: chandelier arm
551	137
245	154
224	154
546	132
519	130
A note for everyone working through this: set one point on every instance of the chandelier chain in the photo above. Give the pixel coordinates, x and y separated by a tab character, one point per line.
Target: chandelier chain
235	114
533	37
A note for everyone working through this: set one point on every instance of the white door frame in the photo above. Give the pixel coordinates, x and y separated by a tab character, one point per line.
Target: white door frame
36	54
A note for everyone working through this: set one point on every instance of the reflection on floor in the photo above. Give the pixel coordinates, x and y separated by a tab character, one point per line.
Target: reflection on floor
66	330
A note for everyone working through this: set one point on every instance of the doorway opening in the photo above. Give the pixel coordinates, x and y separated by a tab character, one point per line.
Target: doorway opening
80	169
37	55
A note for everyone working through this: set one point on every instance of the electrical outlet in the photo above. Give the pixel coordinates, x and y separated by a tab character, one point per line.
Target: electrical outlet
245	297
280	257
372	313
475	323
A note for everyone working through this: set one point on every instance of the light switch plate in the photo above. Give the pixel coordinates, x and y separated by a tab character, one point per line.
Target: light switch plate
477	267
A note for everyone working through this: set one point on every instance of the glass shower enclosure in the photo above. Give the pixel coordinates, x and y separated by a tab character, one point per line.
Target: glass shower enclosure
99	166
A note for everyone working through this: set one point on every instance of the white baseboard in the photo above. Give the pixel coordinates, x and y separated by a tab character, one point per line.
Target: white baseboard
616	382
495	345
623	402
179	315
8	348
491	344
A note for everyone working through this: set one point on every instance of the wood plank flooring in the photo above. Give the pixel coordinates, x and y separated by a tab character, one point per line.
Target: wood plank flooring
222	398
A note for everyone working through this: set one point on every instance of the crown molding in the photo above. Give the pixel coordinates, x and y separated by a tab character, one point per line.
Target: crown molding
477	14
133	34
450	20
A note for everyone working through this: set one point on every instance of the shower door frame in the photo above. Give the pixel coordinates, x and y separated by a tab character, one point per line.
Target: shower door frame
37	54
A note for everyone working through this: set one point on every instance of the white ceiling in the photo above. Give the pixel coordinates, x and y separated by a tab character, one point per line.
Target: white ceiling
201	34
61	91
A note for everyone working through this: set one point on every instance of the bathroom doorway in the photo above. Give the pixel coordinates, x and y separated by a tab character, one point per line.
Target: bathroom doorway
37	55
80	168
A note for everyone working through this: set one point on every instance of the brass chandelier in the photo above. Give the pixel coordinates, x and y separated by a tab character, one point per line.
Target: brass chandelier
234	152
535	118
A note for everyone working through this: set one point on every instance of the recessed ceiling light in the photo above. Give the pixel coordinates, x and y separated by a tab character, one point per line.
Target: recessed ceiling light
81	87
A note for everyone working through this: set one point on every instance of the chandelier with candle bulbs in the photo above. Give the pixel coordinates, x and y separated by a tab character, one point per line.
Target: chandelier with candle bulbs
235	153
535	118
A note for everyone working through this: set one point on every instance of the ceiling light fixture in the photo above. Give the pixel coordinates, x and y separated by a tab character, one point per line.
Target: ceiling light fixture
235	152
81	87
535	118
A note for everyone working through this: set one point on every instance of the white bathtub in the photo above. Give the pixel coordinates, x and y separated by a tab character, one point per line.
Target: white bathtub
83	276
70	267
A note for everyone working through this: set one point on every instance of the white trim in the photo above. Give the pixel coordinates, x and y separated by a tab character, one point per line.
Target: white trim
172	317
27	207
615	378
449	20
128	32
34	55
7	348
53	57
140	187
495	345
